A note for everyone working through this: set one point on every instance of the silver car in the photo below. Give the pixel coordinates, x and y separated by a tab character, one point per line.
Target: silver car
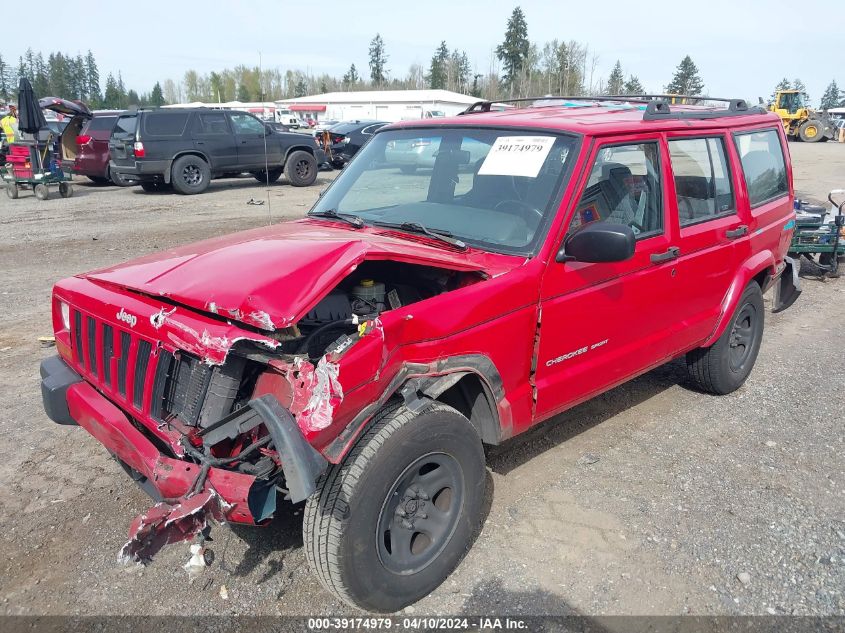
413	153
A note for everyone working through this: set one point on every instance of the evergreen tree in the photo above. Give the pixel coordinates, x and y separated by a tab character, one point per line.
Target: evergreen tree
783	84
351	77
112	98
460	70
798	85
475	91
378	61
616	81
513	52
831	96
686	80
92	80
39	76
437	77
633	86
156	97
6	81
132	98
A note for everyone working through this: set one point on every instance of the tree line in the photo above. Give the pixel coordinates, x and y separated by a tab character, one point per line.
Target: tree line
517	68
71	77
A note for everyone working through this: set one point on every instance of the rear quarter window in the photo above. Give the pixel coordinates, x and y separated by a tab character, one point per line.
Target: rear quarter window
101	123
165	123
125	125
763	165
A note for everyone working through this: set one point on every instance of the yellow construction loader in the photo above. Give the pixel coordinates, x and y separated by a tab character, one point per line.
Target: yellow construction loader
799	121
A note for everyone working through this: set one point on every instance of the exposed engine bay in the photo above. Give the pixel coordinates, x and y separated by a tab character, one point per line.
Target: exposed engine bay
373	288
214	410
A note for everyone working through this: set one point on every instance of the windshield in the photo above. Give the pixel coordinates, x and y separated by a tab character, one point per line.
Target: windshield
494	189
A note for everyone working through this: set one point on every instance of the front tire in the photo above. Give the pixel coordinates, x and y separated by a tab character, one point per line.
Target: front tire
301	168
42	192
724	366
390	522
190	175
811	131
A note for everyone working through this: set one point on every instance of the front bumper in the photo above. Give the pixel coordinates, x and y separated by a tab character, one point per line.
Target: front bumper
68	399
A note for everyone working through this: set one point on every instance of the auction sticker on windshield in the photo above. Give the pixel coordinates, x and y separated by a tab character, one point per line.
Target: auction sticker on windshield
516	156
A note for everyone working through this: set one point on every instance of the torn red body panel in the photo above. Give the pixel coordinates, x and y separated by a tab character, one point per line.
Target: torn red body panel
167	523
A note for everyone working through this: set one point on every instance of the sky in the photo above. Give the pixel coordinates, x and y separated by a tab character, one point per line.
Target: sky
742	49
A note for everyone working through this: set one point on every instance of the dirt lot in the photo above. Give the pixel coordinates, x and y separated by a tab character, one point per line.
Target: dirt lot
652	499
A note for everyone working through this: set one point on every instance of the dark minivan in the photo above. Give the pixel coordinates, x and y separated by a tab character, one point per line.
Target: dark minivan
187	147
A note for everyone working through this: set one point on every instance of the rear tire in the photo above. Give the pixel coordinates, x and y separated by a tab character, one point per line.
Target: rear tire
42	192
190	175
301	168
811	131
270	176
65	190
390	522
12	191
724	366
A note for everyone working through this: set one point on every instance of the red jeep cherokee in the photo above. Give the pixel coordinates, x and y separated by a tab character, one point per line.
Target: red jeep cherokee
359	358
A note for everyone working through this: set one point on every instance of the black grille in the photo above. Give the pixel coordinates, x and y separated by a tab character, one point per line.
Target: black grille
91	331
164	369
77	338
108	352
125	340
141	363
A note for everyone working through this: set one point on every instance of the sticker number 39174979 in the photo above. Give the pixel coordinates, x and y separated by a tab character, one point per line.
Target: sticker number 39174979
516	156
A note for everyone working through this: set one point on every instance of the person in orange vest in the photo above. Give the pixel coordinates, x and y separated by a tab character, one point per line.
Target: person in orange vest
9	123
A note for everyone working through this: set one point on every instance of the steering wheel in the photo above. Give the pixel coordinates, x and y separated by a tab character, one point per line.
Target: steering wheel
522	205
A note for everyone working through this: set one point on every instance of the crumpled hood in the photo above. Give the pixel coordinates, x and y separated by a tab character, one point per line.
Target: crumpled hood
270	277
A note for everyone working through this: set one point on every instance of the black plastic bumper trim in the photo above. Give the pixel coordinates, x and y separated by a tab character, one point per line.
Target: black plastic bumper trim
56	377
301	462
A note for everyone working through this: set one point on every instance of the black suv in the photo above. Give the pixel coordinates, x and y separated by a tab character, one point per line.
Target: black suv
188	147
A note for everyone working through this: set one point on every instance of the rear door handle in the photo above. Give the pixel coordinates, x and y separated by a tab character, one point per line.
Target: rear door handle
737	232
200	142
673	252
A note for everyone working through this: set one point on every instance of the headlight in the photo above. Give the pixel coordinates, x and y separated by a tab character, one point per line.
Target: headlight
65	310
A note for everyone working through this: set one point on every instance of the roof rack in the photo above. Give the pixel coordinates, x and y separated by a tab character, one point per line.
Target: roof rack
658	106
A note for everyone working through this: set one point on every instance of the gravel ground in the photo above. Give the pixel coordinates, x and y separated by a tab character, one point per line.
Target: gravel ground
651	499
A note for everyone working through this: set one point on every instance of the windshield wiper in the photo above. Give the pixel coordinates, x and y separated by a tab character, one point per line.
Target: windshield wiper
415	227
349	218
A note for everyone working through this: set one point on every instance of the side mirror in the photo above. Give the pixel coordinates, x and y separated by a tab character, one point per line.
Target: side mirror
268	130
599	242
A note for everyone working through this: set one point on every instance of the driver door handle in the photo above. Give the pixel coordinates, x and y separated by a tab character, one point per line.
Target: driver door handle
673	252
737	232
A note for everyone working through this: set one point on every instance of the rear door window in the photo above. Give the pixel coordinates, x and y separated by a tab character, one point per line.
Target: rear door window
702	181
165	123
763	165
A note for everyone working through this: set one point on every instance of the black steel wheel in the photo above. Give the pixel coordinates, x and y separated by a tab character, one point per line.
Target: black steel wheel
190	174
391	521
420	513
724	366
301	168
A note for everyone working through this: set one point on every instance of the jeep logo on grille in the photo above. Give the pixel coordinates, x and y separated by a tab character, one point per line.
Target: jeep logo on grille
129	319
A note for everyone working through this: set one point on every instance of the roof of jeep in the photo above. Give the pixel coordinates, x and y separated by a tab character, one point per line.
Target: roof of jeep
596	119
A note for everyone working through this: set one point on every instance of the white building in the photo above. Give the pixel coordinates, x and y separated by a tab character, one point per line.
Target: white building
380	105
